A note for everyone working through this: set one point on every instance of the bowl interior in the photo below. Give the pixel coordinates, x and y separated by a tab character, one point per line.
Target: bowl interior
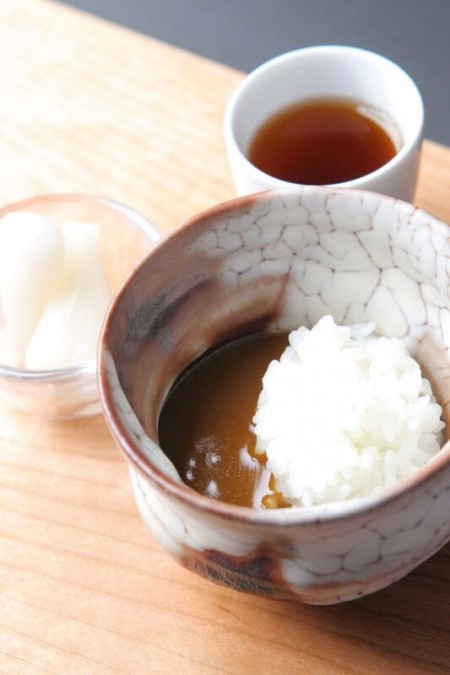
272	261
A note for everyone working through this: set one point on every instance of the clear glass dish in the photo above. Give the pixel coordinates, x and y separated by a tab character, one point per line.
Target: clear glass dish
125	236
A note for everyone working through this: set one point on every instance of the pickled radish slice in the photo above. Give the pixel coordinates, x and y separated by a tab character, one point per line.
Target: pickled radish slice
68	330
31	257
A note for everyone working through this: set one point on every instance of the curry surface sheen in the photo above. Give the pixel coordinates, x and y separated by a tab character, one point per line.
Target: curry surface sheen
205	426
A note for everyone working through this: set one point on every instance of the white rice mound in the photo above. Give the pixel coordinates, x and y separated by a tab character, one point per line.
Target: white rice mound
344	414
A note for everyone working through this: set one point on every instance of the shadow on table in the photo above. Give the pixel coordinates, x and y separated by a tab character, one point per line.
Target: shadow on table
410	617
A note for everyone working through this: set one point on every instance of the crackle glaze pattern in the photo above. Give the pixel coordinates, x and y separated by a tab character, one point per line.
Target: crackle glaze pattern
279	260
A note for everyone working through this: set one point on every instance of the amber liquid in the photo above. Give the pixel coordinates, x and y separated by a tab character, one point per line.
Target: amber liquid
205	426
322	142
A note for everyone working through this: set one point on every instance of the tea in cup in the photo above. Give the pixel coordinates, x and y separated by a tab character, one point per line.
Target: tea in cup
326	115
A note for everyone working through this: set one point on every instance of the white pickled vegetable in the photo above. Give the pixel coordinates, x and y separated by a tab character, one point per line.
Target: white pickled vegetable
31	255
68	330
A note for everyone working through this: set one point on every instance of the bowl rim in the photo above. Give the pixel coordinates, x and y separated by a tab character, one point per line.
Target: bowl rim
187	496
88	368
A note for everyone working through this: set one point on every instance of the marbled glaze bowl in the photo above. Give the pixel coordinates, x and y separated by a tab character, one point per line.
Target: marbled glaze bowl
274	261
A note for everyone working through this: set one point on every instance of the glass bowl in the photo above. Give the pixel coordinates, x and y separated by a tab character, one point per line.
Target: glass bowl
124	237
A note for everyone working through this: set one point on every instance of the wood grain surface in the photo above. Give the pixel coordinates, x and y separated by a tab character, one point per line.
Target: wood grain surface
90	107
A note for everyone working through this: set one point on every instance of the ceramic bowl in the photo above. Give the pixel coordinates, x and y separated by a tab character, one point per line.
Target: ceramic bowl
125	236
270	261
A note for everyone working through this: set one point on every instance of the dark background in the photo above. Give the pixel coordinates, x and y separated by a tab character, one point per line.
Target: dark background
244	33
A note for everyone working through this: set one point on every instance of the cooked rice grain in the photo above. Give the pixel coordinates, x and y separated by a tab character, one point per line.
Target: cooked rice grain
344	414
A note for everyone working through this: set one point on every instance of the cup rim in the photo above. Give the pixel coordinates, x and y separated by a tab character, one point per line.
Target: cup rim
184	494
355	183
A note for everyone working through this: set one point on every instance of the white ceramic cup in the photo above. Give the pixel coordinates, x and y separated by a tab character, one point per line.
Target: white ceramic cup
327	71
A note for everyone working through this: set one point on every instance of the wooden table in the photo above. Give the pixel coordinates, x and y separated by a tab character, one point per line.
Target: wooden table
87	106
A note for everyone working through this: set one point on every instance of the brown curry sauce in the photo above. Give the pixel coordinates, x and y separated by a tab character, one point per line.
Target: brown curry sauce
205	426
